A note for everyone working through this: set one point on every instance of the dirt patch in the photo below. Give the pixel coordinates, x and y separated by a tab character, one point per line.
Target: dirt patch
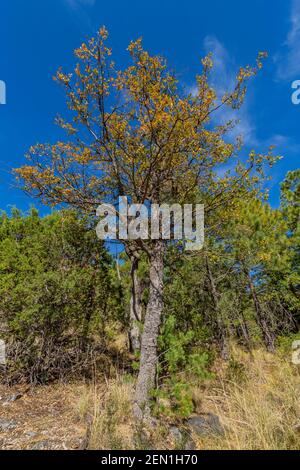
41	418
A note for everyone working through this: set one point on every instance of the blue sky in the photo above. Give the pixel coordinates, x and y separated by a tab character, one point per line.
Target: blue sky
36	37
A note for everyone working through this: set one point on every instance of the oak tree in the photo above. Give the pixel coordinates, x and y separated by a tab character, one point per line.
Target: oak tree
139	133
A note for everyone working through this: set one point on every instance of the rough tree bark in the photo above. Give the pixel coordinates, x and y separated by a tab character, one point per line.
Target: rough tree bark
148	361
135	307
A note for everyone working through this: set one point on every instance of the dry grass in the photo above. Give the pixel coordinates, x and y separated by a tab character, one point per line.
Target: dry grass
111	426
256	398
259	408
43	416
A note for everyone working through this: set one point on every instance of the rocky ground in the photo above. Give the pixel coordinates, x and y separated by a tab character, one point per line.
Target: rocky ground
58	417
40	418
254	406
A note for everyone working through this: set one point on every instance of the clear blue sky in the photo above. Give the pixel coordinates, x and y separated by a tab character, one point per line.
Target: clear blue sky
37	36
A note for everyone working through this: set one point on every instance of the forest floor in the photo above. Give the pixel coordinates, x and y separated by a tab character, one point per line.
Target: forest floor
255	399
40	418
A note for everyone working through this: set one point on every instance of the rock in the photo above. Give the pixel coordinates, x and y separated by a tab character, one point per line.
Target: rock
176	434
12	399
297	428
143	439
82	444
7	425
41	445
206	424
190	445
31	434
182	438
49	445
15	397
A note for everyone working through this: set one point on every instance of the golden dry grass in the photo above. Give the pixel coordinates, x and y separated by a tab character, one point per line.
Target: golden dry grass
256	398
259	408
111	426
44	415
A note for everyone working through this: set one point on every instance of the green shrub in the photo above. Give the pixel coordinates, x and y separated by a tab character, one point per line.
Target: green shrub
180	364
56	295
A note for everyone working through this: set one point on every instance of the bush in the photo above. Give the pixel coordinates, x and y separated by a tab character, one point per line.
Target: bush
180	364
56	295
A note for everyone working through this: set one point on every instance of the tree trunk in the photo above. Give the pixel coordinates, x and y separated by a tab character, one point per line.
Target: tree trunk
245	332
148	361
268	336
222	336
135	308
